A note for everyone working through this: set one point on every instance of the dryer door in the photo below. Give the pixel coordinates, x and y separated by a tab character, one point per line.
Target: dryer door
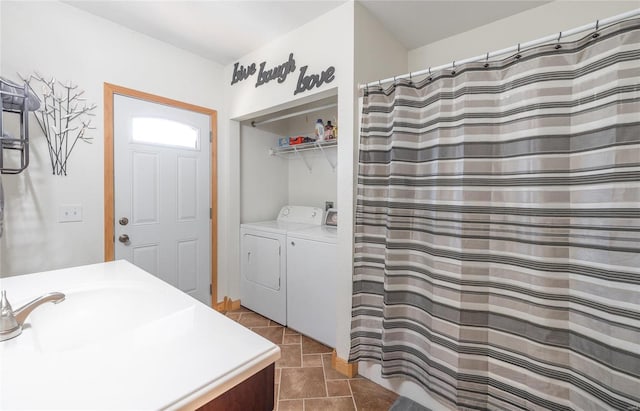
261	260
264	274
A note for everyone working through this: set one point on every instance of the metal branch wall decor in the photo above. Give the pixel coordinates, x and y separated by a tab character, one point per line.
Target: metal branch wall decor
64	118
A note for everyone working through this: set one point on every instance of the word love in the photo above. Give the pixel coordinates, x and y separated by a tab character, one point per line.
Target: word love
306	83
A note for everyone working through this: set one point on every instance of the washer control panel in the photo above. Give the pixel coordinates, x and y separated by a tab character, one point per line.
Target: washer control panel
301	214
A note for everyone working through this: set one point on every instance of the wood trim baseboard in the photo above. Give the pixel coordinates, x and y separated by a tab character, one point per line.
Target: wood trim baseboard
344	367
228	305
222	305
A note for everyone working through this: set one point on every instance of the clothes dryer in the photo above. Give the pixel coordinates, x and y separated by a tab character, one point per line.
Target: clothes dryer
263	264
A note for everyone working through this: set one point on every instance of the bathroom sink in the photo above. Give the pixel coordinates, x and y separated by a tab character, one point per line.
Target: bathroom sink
121	339
113	315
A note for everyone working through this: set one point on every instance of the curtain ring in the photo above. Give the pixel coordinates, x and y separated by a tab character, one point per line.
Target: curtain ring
430	78
518	55
380	83
410	77
558	46
486	61
453	68
596	34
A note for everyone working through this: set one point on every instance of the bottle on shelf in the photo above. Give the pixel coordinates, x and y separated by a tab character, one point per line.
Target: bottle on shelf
328	131
319	132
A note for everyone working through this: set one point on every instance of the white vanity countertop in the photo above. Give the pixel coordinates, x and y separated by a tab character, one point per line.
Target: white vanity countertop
122	339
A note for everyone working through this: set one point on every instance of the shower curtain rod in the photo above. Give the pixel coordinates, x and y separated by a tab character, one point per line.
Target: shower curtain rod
553	37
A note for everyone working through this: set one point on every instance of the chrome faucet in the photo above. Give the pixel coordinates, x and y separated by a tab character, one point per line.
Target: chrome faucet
11	321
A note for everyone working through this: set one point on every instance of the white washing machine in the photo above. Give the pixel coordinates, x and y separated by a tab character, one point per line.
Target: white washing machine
311	281
263	260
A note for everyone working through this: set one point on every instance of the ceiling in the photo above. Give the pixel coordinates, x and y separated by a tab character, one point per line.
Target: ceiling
225	30
417	23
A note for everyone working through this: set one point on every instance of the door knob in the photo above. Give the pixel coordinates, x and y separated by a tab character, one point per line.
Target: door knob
123	238
123	221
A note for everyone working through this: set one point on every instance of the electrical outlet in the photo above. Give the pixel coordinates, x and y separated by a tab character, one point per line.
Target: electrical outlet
69	213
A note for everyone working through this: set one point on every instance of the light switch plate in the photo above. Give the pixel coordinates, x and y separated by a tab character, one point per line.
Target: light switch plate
69	213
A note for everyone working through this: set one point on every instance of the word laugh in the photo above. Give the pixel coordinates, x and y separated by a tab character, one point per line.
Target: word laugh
280	72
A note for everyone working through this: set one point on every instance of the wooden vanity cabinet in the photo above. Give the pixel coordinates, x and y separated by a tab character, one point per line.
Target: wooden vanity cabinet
256	393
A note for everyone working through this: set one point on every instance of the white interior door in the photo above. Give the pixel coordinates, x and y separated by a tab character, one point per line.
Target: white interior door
162	192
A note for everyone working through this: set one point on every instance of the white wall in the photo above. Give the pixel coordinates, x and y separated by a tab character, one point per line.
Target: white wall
268	182
359	50
312	187
530	25
264	179
315	45
61	41
377	53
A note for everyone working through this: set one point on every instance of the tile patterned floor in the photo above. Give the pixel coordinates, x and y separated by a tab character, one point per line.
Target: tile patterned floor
304	379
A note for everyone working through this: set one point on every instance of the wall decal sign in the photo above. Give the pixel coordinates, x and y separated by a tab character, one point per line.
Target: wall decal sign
306	83
280	72
242	73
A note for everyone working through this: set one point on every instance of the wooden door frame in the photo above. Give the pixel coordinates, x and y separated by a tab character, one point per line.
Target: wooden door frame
109	237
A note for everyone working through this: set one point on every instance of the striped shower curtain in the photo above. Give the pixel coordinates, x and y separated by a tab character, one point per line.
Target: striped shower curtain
497	259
